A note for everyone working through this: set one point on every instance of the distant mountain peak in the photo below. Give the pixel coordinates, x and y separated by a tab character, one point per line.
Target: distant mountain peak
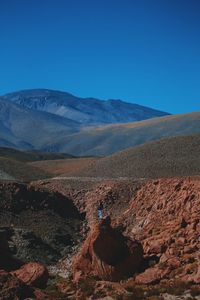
86	111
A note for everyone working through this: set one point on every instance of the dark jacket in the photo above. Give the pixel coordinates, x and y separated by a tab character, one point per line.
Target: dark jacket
100	206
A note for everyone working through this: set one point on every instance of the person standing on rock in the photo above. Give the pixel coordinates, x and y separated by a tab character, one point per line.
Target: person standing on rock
100	210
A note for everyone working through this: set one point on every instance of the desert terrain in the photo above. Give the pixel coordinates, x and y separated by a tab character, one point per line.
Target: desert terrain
150	226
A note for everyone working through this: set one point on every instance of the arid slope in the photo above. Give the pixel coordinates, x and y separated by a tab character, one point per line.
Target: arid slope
64	167
20	171
175	156
106	140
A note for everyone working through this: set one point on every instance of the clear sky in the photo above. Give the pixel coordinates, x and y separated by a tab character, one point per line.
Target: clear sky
141	51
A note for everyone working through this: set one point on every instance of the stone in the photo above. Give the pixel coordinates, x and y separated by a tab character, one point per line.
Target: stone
107	254
151	276
33	274
13	288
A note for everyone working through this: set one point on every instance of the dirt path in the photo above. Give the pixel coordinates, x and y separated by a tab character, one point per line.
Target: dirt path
95	179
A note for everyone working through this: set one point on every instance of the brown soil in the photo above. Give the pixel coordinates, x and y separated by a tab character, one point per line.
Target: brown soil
168	157
64	167
33	155
20	171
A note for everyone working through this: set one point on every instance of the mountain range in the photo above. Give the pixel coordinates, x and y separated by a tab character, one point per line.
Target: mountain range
56	121
86	111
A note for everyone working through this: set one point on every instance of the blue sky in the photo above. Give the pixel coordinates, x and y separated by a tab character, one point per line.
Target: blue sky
141	51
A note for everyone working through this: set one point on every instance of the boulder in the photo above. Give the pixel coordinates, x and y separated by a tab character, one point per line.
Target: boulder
13	288
107	254
33	274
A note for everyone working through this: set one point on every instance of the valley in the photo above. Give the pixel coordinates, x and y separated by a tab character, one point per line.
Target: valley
54	173
100	150
47	221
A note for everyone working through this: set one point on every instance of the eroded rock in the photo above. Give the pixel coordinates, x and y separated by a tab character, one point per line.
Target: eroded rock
106	253
13	288
33	274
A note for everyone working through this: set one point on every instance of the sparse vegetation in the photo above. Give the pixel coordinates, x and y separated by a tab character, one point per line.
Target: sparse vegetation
167	157
20	171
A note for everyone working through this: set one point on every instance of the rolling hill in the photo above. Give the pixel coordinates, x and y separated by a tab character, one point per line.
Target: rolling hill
15	164
26	124
64	167
11	169
106	140
168	157
29	156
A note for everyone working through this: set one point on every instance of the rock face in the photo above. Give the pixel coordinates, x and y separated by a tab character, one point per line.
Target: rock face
164	216
40	225
107	254
33	274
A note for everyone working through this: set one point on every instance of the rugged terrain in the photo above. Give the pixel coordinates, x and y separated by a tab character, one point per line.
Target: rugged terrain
42	226
45	221
147	245
163	214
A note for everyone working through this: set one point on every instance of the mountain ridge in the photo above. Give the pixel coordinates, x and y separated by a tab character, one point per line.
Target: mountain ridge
87	111
86	131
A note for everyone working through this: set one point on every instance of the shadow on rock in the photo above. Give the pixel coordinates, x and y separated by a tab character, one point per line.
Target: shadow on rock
107	254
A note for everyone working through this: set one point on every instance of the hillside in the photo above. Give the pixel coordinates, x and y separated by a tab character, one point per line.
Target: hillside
64	167
86	111
106	140
23	128
31	129
28	156
11	169
174	156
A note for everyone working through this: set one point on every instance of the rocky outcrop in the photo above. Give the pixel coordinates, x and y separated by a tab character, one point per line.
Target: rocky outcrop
107	254
40	225
164	215
33	274
16	198
13	288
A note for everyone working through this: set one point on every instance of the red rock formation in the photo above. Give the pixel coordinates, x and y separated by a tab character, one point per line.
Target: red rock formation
164	216
33	274
39	295
13	288
106	253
